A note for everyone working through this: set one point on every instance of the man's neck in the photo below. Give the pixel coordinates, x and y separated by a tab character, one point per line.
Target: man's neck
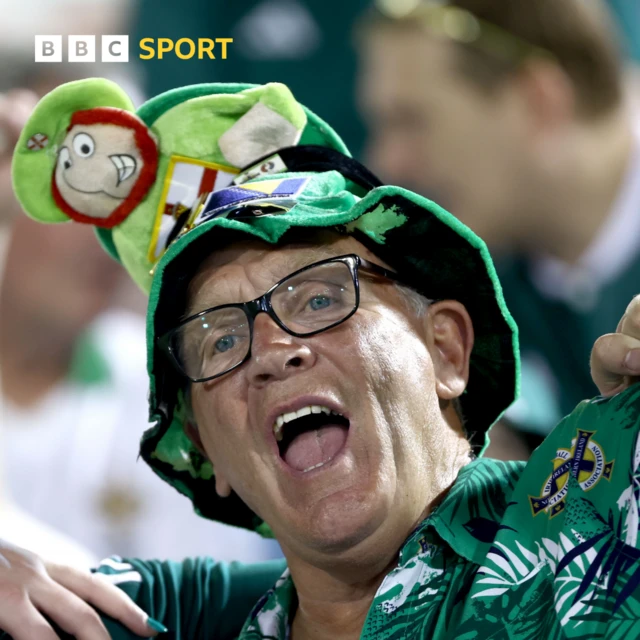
579	194
335	594
330	606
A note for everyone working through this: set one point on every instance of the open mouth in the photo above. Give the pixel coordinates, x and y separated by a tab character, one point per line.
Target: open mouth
310	437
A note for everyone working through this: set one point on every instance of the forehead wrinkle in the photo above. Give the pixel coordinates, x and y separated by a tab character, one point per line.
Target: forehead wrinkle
199	300
314	253
279	263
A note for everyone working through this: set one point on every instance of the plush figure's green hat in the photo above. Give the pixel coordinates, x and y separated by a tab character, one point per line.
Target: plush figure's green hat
200	166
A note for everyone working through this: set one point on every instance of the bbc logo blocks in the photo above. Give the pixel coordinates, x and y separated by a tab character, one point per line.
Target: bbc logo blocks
48	48
115	48
82	49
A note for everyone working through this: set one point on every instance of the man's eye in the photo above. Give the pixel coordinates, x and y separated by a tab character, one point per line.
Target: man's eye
225	343
319	302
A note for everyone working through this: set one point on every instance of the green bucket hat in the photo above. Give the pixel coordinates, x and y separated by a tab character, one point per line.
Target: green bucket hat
199	167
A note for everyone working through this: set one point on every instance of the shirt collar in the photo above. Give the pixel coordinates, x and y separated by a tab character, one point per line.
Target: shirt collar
270	616
469	516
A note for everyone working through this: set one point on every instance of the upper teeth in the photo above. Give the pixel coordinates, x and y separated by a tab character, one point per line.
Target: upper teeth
305	411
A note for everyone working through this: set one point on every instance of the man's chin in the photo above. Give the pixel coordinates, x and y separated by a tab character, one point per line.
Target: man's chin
339	525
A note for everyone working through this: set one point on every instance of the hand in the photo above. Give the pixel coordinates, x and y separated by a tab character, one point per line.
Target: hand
30	589
15	108
615	359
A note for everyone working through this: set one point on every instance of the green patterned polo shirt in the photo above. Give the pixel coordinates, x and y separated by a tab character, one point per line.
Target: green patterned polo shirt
547	550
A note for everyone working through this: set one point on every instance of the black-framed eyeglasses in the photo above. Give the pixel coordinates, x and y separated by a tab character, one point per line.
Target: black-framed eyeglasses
308	301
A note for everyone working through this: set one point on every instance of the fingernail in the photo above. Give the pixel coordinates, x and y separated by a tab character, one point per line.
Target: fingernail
156	626
632	360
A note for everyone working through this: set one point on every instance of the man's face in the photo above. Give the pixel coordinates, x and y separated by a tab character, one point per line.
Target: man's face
431	130
376	370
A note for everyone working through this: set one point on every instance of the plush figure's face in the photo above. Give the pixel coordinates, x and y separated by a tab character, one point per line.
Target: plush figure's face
391	376
98	165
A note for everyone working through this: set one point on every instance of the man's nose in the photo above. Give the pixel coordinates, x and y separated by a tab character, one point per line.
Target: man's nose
275	354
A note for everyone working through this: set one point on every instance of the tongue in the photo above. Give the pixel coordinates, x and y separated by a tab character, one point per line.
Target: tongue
315	447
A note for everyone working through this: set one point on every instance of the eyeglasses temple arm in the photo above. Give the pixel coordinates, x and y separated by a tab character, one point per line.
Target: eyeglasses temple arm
374	268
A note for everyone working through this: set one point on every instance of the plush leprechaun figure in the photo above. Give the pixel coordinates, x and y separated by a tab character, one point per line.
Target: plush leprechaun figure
142	177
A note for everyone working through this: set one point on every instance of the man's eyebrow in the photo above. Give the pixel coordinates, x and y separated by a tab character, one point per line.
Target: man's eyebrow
291	263
208	301
296	261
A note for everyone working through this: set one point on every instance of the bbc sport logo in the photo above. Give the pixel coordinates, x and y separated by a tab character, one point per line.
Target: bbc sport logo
115	48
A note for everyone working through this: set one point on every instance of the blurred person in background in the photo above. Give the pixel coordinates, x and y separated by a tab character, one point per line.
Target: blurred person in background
512	114
73	383
16	526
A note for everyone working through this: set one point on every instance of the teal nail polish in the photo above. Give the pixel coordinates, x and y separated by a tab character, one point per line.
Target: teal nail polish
156	626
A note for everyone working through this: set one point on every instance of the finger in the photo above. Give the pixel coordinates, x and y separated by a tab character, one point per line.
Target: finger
105	596
24	622
630	323
69	612
614	360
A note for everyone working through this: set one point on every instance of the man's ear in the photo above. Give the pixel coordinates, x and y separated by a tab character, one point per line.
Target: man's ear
223	488
548	94
451	337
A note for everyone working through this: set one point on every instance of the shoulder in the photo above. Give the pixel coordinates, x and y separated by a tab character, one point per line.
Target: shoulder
612	422
591	455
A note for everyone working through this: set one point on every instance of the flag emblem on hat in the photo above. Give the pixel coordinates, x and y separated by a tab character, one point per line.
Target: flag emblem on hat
186	180
37	141
280	193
